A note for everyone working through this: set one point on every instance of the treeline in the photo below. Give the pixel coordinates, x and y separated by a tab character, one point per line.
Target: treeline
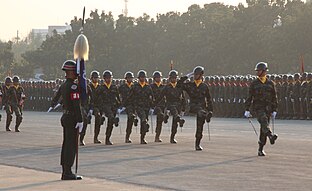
224	39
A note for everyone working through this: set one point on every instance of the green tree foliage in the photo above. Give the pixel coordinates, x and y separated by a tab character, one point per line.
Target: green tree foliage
224	39
6	58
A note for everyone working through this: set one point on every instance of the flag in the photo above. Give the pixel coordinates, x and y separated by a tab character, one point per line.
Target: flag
82	80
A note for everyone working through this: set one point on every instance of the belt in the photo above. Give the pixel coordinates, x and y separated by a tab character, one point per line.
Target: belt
68	112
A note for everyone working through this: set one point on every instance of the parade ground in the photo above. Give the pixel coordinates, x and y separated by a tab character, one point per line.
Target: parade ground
30	160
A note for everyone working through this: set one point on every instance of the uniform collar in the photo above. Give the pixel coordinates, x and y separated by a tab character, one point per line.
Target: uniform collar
129	84
95	84
108	85
198	82
173	84
262	79
158	84
142	84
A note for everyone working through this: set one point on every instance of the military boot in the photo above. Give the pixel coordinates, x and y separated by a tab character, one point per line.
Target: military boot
68	175
8	122
143	141
197	145
18	123
127	139
135	122
181	122
116	121
107	140
82	143
261	153
272	138
172	139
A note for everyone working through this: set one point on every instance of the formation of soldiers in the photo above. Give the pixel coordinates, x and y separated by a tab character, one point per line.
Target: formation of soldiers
228	94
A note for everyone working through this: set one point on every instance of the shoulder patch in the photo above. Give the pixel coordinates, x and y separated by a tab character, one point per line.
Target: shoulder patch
74	87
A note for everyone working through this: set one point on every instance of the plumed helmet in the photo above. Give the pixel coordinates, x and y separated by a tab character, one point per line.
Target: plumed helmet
69	65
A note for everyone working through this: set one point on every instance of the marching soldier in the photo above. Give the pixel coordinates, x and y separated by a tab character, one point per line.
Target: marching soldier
262	94
110	101
5	88
86	112
71	119
96	105
124	91
175	103
142	94
15	98
157	88
200	101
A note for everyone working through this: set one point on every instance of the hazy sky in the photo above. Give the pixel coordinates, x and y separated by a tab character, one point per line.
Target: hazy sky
24	15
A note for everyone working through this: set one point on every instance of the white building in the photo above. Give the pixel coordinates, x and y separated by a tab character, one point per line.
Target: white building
44	32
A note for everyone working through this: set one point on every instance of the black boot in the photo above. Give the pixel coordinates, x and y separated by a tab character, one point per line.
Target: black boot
128	140
197	145
96	134
157	139
158	131
261	153
135	122
8	122
18	123
272	138
107	140
166	119
82	143
143	141
172	140
181	122
68	175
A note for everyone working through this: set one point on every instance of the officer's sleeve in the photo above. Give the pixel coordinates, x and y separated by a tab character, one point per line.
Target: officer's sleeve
75	99
274	98
249	97
56	97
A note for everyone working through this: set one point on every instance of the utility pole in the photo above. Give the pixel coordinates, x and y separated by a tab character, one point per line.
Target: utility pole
125	11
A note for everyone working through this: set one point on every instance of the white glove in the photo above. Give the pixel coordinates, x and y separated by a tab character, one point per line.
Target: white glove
90	112
50	109
247	114
189	75
274	114
80	126
182	114
151	111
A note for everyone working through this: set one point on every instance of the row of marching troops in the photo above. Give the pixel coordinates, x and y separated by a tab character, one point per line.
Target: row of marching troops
228	94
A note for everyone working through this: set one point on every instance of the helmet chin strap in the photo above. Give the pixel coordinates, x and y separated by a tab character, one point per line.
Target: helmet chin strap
261	73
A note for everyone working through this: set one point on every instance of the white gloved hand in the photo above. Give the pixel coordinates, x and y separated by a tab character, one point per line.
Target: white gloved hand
247	114
90	112
182	114
50	109
79	125
274	114
151	111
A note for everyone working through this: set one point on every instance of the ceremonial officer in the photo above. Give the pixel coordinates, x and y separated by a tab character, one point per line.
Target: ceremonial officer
200	101
262	95
71	119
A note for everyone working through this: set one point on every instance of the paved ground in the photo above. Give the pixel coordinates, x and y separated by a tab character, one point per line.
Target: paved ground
30	160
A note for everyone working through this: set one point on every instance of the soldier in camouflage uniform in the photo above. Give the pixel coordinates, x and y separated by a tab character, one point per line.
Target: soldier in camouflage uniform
200	101
15	98
142	95
124	91
262	94
5	88
157	88
110	102
174	100
96	105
